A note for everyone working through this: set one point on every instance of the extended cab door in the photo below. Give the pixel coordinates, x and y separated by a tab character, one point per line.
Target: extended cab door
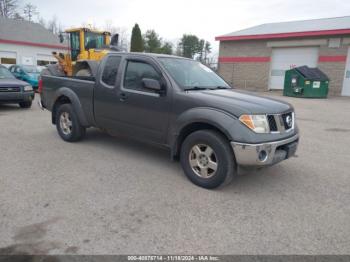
136	110
105	94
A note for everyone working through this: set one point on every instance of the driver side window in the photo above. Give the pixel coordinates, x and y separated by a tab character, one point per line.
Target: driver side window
135	72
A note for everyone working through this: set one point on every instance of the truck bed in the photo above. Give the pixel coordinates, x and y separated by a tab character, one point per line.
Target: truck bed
82	87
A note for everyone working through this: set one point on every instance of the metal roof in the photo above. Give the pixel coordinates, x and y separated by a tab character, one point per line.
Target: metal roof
284	29
27	33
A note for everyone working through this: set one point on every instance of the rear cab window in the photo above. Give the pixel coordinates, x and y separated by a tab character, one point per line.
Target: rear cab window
110	70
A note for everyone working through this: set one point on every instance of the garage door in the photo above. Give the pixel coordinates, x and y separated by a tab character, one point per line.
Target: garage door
285	58
346	83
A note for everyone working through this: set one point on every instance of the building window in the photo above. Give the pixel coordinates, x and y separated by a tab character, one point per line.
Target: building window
9	61
42	62
45	62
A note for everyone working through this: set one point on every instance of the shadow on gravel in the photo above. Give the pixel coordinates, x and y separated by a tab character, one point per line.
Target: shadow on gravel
9	107
94	135
30	240
254	178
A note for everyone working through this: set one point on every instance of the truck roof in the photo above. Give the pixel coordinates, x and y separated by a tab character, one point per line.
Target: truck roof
150	55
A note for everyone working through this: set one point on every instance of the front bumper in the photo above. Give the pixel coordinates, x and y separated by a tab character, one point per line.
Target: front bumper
16	97
266	153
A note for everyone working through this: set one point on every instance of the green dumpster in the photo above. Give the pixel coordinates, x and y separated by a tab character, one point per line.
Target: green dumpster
304	81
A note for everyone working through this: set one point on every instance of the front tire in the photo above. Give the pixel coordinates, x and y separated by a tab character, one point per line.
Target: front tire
207	159
68	125
26	104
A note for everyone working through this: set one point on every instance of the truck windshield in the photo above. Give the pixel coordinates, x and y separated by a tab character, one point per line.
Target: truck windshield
5	73
190	74
94	40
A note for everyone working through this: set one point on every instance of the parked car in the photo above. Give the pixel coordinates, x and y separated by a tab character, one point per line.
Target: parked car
177	103
13	90
27	73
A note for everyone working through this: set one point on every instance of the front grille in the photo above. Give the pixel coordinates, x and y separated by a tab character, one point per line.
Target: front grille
287	120
272	123
281	122
9	89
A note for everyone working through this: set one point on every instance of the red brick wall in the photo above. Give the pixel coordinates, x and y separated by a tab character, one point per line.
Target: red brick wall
254	75
245	75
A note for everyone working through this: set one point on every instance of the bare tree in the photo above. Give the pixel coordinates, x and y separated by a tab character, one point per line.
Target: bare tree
29	11
52	25
8	8
42	21
17	16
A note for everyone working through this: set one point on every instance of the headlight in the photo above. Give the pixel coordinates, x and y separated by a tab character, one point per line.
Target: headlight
257	123
28	88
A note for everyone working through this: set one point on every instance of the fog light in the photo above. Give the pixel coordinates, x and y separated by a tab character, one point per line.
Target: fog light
263	156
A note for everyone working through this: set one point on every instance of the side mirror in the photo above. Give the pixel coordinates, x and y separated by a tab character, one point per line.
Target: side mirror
151	84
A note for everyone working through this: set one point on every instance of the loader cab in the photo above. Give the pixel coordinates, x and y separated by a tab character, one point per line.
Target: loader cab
84	41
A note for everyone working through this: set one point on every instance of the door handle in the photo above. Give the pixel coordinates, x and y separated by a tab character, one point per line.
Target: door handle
123	97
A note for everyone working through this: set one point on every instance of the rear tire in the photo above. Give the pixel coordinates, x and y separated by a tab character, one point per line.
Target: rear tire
207	159
68	125
26	104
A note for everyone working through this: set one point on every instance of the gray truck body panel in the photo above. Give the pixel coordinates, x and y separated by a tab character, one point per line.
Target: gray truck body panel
160	118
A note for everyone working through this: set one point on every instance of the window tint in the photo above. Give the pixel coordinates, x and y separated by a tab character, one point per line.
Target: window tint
5	73
75	45
111	69
135	72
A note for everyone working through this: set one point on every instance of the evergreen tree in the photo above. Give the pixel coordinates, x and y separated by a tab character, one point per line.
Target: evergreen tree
152	42
136	40
167	48
189	45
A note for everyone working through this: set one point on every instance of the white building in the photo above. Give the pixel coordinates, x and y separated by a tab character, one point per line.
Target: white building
27	43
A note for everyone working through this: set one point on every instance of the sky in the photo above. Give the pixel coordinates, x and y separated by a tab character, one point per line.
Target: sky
204	18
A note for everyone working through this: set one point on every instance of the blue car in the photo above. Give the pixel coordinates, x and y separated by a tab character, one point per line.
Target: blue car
27	73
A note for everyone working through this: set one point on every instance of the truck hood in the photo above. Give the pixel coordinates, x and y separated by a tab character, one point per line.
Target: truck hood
240	102
9	82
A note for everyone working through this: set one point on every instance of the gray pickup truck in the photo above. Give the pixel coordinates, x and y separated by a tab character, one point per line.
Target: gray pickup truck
177	103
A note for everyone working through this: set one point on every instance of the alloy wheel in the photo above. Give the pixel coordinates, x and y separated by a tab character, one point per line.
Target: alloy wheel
203	161
66	123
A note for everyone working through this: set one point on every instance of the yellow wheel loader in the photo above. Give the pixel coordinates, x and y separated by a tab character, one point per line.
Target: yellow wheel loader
86	48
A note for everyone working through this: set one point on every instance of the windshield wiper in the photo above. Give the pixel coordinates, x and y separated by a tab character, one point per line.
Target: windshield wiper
206	88
196	88
222	87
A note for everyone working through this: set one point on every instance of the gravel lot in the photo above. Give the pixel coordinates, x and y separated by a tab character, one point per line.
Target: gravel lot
106	195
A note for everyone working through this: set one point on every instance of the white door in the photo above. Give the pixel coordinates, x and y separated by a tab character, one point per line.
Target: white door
27	60
283	59
346	83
